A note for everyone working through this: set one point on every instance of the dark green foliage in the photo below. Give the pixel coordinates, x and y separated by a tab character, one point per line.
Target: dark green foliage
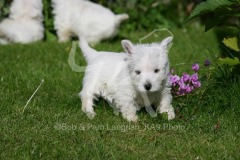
211	6
50	34
149	15
4	8
218	12
224	14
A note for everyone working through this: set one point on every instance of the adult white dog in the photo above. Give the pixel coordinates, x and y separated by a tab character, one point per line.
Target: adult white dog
85	19
24	24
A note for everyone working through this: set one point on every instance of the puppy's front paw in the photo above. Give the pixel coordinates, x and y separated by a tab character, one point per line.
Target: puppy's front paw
151	112
131	118
170	114
90	115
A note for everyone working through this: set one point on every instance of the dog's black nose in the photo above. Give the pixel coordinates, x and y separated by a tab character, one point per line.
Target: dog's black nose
148	86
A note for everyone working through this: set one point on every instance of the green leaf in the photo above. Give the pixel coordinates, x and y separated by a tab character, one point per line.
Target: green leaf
221	16
210	6
232	43
217	20
229	61
231	25
1	4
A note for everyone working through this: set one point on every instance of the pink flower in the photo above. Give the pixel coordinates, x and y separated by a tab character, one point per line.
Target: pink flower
195	67
174	79
186	83
194	77
182	85
189	88
196	84
185	77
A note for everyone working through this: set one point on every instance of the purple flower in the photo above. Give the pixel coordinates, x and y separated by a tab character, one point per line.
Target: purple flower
182	90
185	77
182	85
186	83
195	67
207	63
189	88
174	79
196	84
194	77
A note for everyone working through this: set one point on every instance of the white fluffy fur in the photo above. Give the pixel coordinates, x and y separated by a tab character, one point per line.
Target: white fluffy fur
24	24
85	19
114	77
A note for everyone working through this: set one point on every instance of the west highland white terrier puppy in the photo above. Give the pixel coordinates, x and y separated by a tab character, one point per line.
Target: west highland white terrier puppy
129	81
85	19
24	24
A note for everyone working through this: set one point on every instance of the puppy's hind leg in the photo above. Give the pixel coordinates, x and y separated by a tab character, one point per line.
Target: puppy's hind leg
87	104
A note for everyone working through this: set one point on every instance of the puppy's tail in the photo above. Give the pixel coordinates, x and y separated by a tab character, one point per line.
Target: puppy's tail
88	52
121	17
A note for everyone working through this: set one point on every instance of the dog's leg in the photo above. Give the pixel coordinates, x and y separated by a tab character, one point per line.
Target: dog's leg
129	112
87	105
90	88
93	40
166	104
64	35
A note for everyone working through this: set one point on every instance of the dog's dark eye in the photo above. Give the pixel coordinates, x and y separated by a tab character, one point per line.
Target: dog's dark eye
137	72
156	70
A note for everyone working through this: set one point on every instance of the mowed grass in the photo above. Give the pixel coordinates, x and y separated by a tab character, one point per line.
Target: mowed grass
53	125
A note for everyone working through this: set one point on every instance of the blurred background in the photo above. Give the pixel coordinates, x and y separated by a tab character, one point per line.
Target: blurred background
144	14
147	15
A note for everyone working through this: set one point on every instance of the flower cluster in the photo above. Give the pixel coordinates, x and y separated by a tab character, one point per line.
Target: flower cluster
186	83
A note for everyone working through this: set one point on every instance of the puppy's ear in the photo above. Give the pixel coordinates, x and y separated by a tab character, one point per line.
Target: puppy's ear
127	46
166	42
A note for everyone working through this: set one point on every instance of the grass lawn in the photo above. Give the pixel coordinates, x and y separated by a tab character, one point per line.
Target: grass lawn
53	125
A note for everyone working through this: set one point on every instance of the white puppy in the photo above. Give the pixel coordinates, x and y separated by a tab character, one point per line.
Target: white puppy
24	24
129	81
86	19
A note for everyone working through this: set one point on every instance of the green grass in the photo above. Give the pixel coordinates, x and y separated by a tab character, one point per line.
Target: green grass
53	125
